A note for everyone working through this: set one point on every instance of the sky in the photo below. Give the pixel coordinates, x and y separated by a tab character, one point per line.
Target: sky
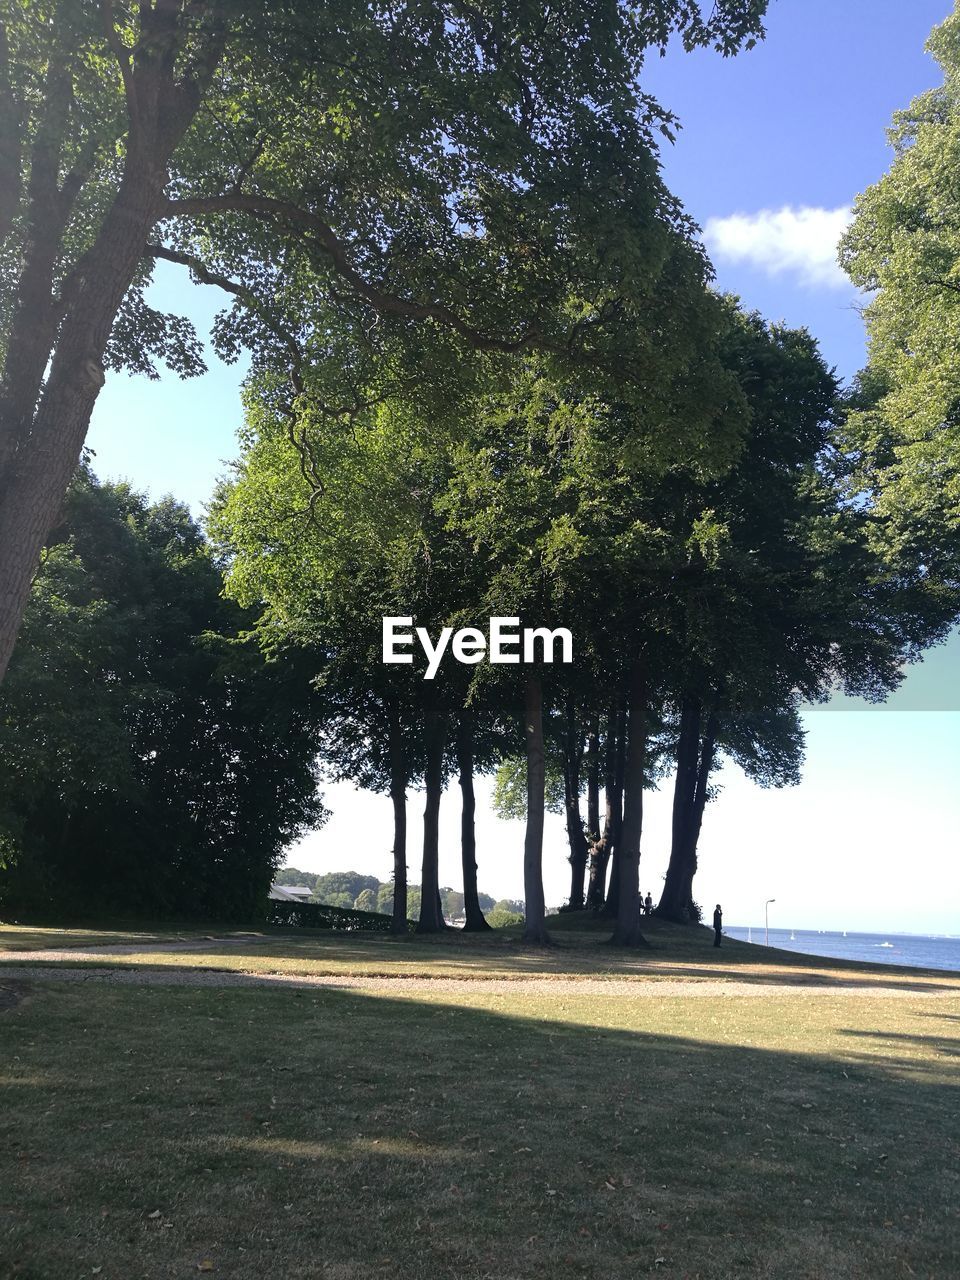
774	147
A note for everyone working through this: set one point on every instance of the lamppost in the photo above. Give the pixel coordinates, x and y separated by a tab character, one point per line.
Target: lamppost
766	921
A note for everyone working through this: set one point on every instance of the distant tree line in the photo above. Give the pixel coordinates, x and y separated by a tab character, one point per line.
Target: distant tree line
367	893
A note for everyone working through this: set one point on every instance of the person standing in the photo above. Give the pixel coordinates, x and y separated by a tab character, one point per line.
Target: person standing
717	924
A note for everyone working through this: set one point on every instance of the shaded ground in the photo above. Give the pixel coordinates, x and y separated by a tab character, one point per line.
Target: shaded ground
507	1129
10	996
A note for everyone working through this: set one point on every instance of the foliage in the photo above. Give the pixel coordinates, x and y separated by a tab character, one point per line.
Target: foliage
510	787
342	888
499	918
151	760
903	429
291	876
380	189
321	915
366	893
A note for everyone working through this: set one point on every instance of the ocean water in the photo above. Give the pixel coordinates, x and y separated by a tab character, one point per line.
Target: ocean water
919	952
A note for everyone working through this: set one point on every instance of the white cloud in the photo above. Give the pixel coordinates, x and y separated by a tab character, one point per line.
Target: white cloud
799	242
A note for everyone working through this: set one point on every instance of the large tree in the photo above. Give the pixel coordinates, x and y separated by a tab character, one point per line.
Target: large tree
903	247
151	760
444	168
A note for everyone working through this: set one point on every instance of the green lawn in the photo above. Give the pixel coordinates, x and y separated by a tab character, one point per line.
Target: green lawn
152	1132
674	952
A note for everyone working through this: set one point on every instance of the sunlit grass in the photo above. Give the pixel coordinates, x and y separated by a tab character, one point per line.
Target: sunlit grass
675	952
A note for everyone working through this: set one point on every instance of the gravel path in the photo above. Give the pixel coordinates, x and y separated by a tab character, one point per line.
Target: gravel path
632	988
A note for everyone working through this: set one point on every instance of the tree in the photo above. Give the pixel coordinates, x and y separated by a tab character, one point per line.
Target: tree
502	917
371	545
291	876
448	170
903	247
151	761
343	888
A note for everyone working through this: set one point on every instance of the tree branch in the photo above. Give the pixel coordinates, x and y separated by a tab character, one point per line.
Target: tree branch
283	211
199	269
939	283
122	53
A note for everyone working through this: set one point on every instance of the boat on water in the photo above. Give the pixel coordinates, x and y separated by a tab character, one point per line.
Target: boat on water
884	944
793	936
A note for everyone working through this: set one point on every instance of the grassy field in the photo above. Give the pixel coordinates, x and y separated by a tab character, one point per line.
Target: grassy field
18	937
498	1131
674	952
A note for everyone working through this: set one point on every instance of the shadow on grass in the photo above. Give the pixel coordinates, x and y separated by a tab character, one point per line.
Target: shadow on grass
338	1135
354	958
932	1044
894	978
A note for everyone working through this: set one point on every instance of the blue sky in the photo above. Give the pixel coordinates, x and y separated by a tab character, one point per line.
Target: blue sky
775	146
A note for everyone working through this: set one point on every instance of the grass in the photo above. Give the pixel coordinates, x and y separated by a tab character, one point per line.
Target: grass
18	937
150	1131
495	1132
675	952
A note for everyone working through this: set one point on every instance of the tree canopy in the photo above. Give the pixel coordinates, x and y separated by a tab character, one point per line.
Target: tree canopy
151	760
379	188
903	248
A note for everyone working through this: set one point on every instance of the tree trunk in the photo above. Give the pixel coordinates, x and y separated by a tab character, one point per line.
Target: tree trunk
673	902
35	478
431	915
593	779
572	756
42	431
707	755
398	795
627	932
534	905
599	858
612	903
596	881
474	921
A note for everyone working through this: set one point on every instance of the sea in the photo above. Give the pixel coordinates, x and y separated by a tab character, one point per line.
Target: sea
940	951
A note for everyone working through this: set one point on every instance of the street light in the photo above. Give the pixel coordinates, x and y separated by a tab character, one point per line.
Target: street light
766	921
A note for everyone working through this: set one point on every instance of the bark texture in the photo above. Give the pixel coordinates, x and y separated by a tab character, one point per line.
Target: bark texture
593	779
534	929
627	930
696	752
572	760
615	811
431	914
398	796
53	368
474	921
600	854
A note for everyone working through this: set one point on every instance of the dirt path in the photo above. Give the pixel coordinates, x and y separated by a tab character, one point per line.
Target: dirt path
621	988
